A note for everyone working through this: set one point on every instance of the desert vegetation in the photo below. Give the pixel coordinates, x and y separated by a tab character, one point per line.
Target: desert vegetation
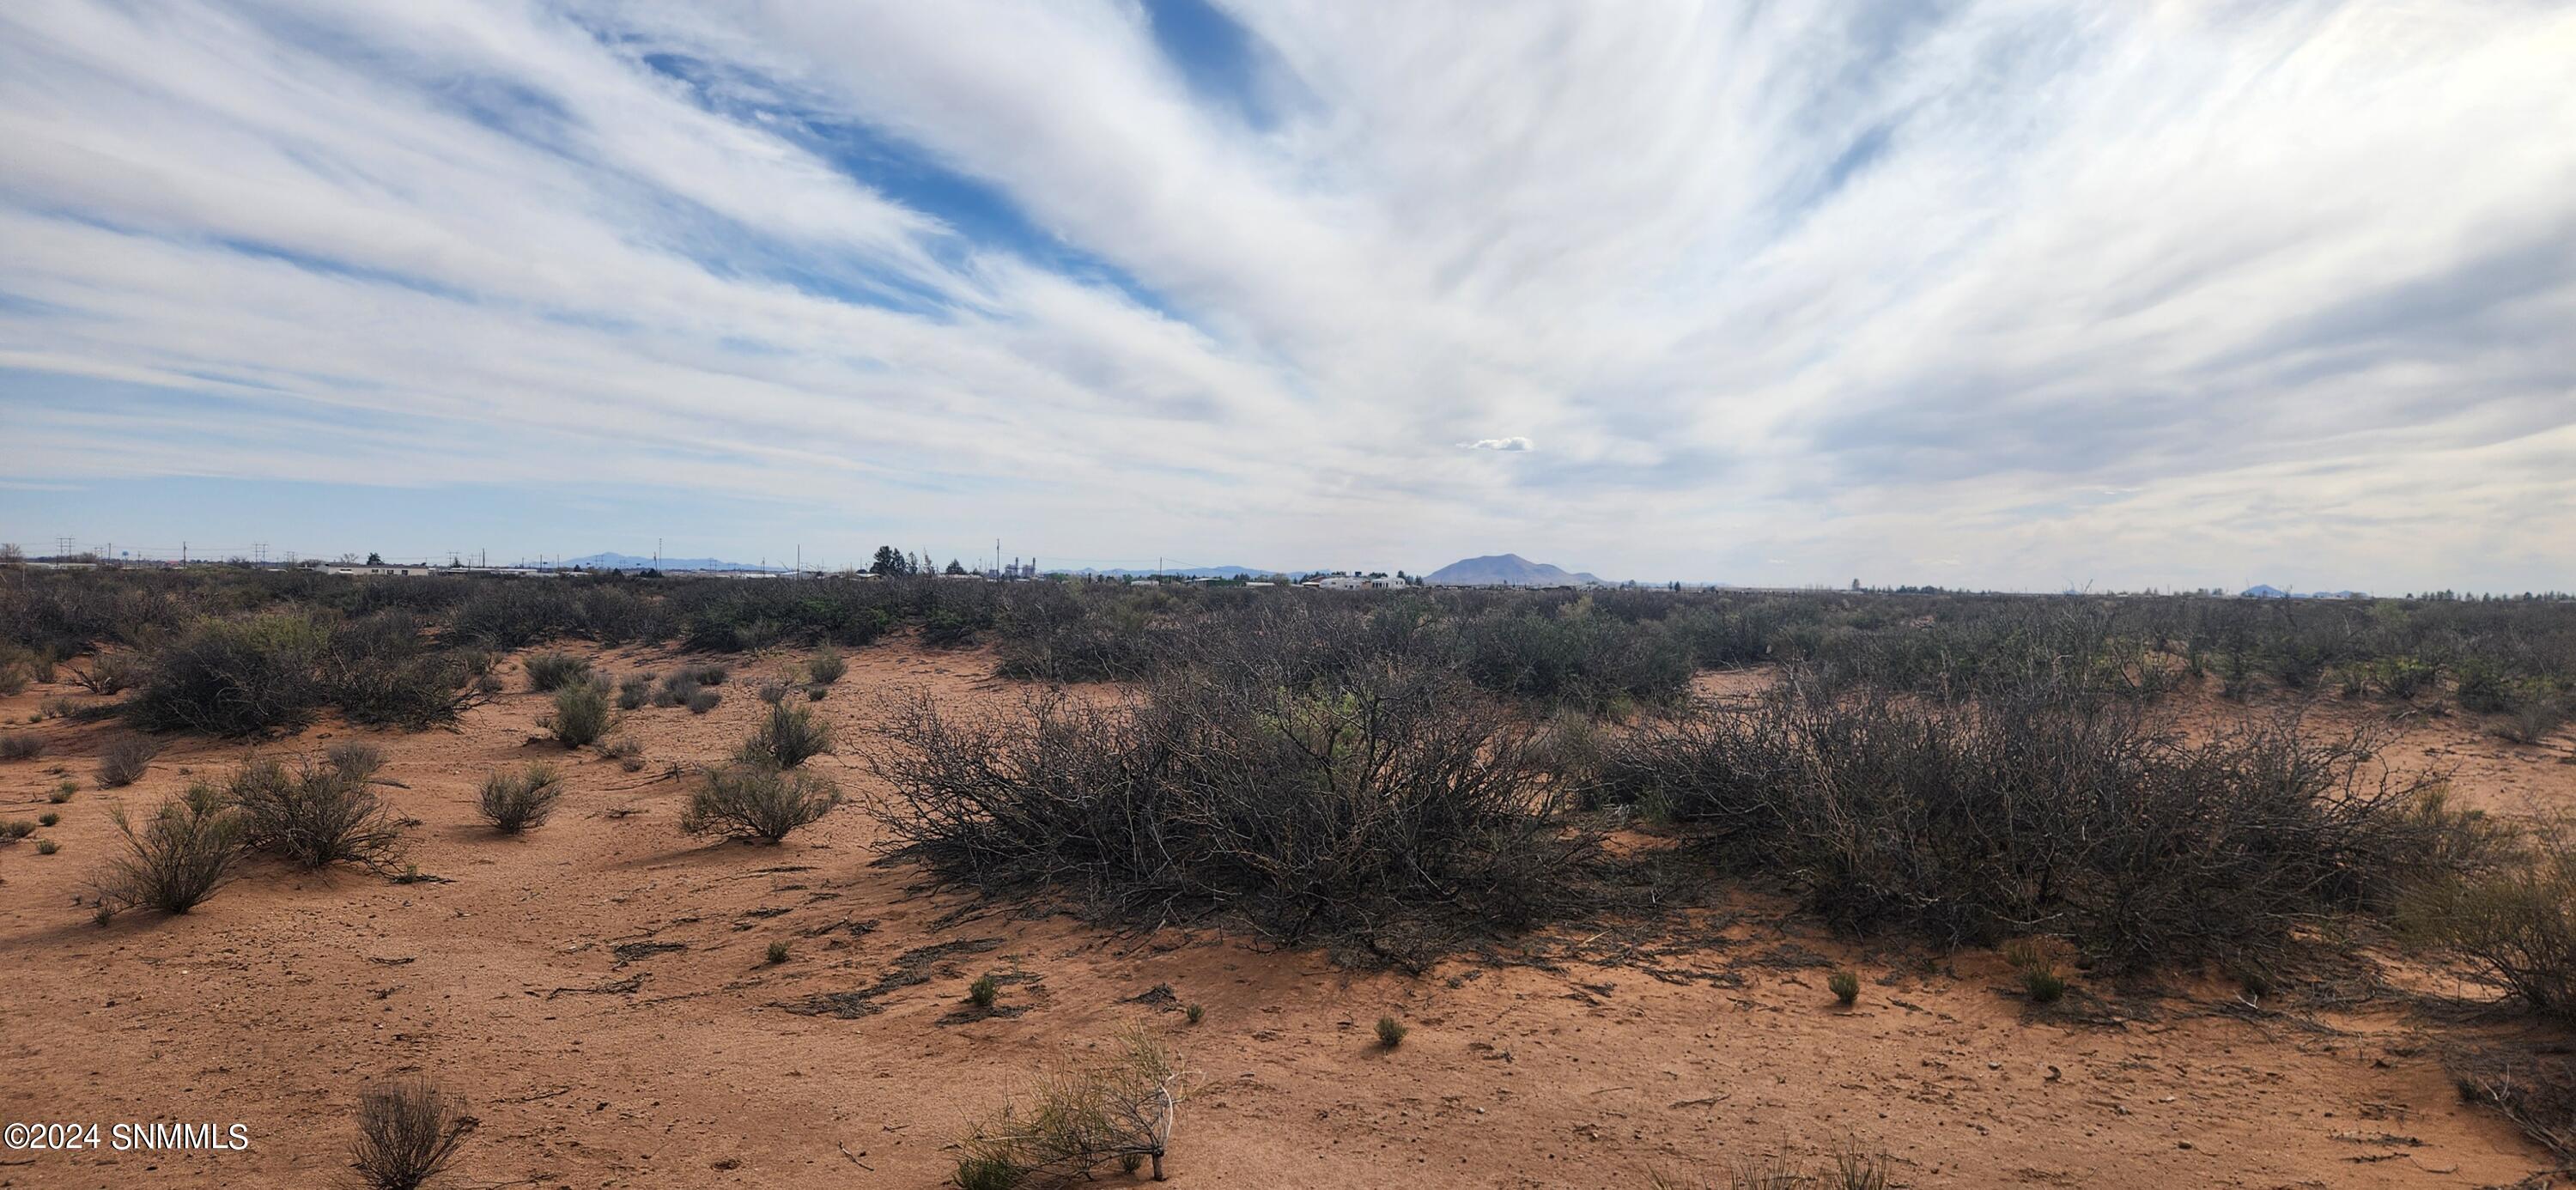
514	802
124	759
2039	808
2100	791
409	1132
758	803
185	851
1359	803
581	713
2514	922
1080	1118
317	812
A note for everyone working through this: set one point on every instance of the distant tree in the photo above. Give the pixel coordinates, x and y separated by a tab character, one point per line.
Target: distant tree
954	567
890	562
374	558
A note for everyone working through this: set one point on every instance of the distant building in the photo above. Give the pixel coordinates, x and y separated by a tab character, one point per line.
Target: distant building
373	571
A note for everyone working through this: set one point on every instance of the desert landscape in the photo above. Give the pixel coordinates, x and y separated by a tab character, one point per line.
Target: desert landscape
1030	594
618	1002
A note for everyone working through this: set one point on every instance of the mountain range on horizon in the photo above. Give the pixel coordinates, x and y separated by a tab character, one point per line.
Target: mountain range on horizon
1491	570
1506	570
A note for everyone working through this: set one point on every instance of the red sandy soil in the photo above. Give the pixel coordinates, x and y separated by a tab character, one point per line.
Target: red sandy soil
1710	1042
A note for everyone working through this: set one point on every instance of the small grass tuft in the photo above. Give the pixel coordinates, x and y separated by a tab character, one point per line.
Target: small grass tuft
787	737
777	952
581	714
984	991
1846	987
1390	1032
826	667
1195	1013
513	802
549	672
124	760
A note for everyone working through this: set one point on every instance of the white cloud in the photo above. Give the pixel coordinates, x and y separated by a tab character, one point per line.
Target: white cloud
1835	284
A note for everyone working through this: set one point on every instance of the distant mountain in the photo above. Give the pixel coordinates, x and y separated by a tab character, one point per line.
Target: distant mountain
2268	591
615	561
1505	570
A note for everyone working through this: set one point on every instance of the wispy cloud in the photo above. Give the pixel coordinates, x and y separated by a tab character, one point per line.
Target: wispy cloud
1846	285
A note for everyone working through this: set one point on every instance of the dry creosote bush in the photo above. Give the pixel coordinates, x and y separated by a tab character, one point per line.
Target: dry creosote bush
408	1134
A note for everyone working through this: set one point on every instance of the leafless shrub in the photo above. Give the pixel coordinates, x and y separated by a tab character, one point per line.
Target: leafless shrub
108	673
2533	717
749	801
188	849
627	751
408	1134
355	759
1367	803
1848	1166
2537	1091
21	745
513	802
1081	1117
2044	809
124	760
236	677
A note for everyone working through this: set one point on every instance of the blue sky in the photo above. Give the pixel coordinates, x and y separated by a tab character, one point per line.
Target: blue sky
1981	294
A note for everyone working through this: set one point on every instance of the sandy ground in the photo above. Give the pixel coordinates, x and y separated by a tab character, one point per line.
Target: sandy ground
597	989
